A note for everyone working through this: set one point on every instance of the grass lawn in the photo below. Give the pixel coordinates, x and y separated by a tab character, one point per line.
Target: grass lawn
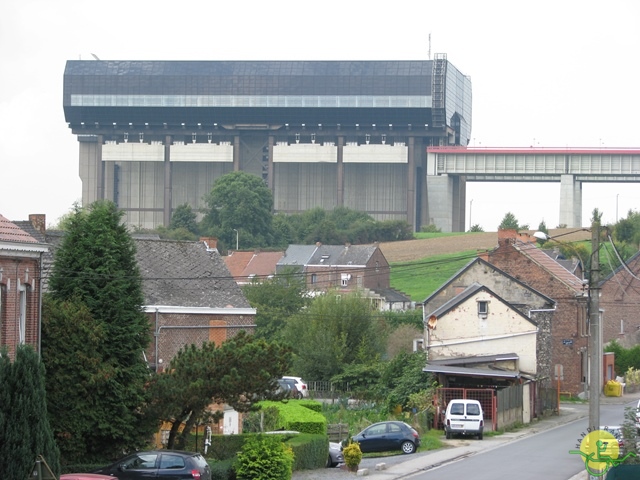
421	278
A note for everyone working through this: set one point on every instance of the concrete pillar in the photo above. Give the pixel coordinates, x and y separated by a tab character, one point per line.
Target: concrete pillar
340	172
236	153
570	202
458	203
439	191
411	183
270	142
99	170
166	207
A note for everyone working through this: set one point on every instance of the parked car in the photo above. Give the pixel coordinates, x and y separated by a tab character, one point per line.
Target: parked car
386	436
287	389
335	455
464	417
638	417
301	385
159	464
85	476
291	387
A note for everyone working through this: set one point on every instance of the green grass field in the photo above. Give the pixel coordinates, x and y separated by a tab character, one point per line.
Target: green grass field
421	278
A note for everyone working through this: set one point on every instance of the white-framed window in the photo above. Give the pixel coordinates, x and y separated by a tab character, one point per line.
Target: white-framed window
22	319
314	278
483	308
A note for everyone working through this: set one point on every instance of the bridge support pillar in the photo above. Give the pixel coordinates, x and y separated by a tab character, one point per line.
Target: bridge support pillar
446	202
570	201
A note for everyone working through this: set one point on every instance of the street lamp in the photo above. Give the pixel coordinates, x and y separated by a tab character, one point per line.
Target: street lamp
235	230
595	341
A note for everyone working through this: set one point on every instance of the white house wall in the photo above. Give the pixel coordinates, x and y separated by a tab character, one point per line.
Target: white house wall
462	333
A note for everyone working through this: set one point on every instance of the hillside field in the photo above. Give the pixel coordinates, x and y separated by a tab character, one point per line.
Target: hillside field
420	266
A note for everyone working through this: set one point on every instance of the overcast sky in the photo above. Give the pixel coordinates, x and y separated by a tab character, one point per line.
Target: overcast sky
544	73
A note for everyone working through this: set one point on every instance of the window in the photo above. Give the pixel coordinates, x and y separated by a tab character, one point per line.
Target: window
171	461
22	322
314	278
483	308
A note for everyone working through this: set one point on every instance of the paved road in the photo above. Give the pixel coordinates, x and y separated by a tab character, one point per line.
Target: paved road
539	451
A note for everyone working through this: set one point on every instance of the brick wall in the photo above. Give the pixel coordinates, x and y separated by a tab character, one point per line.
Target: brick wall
620	300
177	330
568	336
18	271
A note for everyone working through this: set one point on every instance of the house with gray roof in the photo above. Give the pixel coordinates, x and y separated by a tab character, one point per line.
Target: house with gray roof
344	268
190	296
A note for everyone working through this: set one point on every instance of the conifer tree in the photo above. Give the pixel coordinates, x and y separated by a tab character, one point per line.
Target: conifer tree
26	433
95	265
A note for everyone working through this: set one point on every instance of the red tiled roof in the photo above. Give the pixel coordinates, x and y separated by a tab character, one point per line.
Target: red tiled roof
10	232
550	265
262	264
243	265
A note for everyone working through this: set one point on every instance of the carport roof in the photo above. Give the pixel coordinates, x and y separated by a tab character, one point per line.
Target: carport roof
471	372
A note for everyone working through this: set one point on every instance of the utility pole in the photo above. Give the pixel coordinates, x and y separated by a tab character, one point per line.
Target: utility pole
595	348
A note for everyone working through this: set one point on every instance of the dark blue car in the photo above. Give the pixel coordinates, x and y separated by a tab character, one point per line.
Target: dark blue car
385	436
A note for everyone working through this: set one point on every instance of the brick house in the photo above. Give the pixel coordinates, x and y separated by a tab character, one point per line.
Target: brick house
518	256
20	285
480	306
190	297
620	302
345	268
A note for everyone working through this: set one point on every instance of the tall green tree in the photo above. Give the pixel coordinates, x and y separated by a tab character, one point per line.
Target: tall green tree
239	372
510	222
275	300
95	265
71	344
240	201
26	433
333	332
627	230
184	217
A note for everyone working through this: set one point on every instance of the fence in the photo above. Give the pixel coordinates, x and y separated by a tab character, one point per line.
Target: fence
485	396
509	406
328	390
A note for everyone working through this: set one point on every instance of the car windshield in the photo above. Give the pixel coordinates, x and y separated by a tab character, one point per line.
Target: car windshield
457	409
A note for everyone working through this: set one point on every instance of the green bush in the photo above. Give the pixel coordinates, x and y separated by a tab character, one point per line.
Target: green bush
294	416
224	447
264	457
223	469
309	451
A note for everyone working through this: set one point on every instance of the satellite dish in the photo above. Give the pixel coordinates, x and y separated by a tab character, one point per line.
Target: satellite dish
431	324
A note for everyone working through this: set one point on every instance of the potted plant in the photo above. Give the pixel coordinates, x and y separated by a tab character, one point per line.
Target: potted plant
352	456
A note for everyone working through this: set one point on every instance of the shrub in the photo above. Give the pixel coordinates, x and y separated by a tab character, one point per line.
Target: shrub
352	455
264	458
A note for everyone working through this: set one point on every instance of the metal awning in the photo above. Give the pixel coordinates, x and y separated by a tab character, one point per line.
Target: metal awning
471	372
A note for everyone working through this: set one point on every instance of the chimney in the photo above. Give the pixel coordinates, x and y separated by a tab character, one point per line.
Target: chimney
210	242
38	221
506	236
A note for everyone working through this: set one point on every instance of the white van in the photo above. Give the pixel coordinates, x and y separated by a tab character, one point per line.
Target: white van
464	417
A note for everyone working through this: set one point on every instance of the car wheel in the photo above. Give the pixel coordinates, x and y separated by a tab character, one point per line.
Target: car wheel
329	463
447	435
408	447
480	436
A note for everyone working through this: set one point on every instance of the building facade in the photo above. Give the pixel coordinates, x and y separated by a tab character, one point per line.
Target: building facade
20	286
154	135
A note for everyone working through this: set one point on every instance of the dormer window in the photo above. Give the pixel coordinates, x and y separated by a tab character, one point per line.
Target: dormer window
483	308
